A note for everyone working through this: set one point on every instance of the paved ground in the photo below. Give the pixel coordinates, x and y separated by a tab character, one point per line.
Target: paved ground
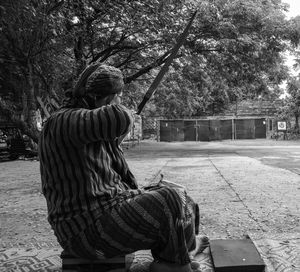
242	187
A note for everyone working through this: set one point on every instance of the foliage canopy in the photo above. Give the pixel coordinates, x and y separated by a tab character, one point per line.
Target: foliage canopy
234	51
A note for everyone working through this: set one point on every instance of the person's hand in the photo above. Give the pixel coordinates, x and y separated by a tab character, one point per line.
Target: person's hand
171	184
163	182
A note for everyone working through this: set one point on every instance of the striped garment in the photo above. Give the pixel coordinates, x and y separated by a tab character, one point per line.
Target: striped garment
154	220
94	205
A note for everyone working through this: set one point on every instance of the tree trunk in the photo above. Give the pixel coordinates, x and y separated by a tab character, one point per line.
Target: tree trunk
7	111
24	112
31	104
26	121
297	123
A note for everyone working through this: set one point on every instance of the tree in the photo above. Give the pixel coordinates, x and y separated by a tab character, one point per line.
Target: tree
292	102
28	29
48	39
233	51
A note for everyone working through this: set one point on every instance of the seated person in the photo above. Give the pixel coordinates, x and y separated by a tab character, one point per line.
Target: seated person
95	206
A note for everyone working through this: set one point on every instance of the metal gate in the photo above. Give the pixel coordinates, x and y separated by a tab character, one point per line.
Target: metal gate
215	130
212	130
226	131
202	130
171	130
244	129
260	128
190	130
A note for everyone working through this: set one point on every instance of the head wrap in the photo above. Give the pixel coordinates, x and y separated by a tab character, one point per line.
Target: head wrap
101	80
97	79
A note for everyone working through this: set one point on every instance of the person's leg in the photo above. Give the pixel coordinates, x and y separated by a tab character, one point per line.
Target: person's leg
202	242
194	244
178	230
158	220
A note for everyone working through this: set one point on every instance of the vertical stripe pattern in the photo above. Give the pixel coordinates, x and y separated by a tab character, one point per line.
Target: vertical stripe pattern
82	168
150	220
94	205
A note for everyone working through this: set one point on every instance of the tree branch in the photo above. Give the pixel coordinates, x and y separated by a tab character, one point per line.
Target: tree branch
107	52
128	59
148	68
55	7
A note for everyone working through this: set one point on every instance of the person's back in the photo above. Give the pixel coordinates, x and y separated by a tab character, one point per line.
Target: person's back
82	166
94	205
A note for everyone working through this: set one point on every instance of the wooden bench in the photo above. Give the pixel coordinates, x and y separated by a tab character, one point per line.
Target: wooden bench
74	264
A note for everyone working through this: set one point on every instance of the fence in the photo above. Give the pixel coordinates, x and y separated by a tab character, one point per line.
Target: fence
150	128
212	129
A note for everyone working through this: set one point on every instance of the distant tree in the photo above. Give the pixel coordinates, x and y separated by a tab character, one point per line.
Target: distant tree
292	103
234	52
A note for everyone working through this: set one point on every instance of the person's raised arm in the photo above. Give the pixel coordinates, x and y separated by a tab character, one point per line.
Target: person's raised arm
106	123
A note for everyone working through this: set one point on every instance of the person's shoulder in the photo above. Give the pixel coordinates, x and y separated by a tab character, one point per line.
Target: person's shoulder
63	111
59	114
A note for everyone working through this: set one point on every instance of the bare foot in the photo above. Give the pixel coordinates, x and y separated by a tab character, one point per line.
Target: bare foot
202	242
169	267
